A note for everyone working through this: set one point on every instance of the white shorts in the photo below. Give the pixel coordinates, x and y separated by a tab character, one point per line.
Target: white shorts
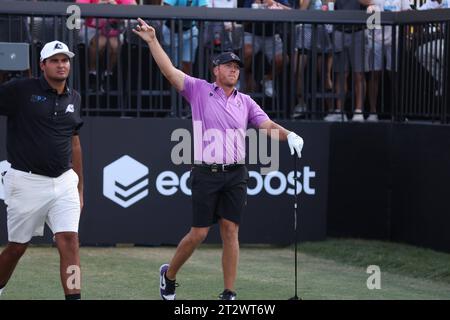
33	200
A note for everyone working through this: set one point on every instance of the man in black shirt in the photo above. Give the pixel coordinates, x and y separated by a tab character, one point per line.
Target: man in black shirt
45	181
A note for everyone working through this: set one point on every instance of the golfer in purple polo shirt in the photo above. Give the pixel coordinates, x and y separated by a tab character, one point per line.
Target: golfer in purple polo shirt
219	177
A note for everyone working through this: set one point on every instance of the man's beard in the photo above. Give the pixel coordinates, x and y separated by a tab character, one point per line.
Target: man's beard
59	78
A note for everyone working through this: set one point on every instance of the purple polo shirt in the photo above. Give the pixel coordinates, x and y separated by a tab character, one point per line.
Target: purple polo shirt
220	122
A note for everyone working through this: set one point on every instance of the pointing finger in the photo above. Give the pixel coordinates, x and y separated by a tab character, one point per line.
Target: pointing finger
142	22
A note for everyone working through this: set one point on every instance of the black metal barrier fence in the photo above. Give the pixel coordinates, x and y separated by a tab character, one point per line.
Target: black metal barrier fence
298	64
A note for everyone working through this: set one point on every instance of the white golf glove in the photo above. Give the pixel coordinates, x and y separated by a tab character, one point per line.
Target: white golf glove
295	142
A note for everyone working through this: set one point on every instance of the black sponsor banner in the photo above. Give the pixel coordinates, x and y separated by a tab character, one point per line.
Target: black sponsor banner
382	181
390	181
421	179
135	193
3	166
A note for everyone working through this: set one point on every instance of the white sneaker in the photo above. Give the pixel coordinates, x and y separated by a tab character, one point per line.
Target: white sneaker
166	287
372	118
334	117
268	88
299	110
358	117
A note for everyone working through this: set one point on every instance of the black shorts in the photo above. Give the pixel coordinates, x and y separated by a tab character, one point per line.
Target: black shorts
218	195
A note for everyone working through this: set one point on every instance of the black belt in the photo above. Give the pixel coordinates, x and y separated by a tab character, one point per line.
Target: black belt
38	173
23	169
216	167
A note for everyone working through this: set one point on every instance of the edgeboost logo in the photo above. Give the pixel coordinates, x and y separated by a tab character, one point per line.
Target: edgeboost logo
4	166
125	181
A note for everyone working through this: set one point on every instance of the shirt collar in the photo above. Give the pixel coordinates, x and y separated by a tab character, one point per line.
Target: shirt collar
47	87
216	87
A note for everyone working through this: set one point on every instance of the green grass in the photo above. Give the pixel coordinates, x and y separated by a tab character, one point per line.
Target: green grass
332	269
392	257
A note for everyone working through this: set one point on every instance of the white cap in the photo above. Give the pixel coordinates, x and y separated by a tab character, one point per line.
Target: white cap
55	47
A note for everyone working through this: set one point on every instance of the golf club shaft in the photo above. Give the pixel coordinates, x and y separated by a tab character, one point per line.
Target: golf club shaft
295	221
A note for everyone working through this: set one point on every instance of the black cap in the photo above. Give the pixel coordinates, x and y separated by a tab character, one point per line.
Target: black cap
226	57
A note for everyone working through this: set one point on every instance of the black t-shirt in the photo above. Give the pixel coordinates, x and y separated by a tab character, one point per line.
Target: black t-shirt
40	126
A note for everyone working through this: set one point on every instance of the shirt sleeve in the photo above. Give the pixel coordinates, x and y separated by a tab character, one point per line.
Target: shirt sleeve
8	99
256	115
202	3
191	86
171	2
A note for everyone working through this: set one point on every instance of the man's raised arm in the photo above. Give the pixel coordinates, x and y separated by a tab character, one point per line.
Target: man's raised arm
174	75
